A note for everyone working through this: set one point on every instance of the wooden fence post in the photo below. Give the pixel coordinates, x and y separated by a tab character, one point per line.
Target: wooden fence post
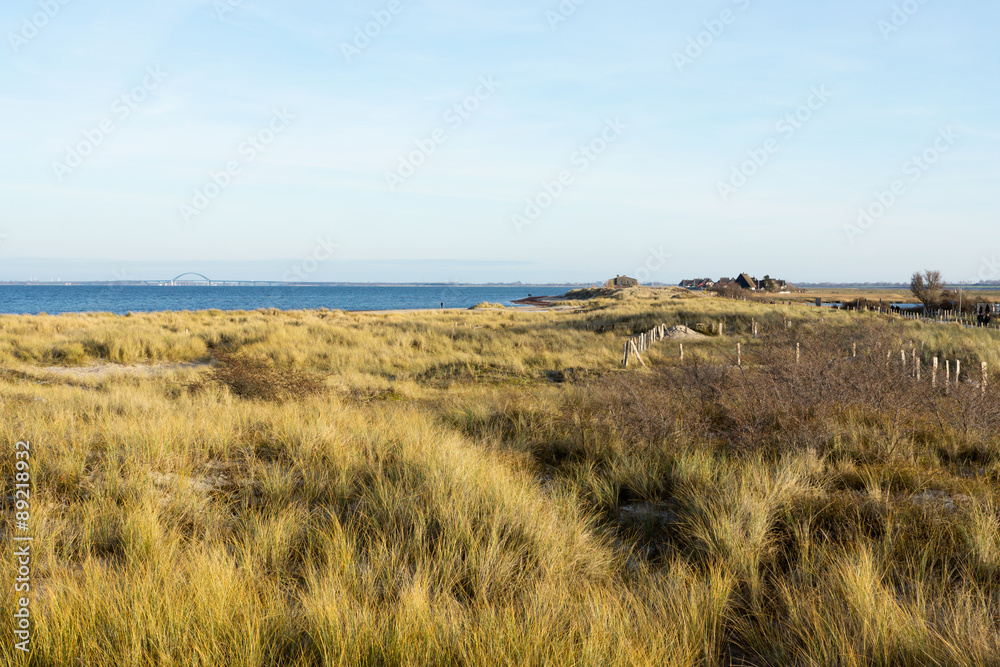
934	373
637	355
682	351
739	356
643	341
798	353
958	370
985	377
854	350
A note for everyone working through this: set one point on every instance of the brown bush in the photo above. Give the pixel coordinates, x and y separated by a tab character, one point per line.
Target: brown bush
771	404
254	378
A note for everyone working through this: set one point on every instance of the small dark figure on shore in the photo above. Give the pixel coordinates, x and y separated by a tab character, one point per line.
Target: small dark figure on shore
442	304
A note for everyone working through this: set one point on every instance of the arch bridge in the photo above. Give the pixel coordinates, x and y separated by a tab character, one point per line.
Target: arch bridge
192	273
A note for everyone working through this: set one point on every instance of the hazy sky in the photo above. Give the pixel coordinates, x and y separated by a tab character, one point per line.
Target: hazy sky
517	140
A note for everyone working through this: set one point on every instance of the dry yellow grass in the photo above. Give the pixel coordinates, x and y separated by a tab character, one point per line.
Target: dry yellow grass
488	487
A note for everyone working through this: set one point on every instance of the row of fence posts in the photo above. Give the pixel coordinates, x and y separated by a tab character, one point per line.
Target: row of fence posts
942	316
971	321
915	366
643	341
933	315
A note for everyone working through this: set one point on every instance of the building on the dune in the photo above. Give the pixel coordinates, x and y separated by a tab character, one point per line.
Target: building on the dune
743	281
698	284
769	284
621	281
746	282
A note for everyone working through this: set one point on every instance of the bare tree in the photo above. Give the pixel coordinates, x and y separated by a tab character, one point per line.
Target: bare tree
928	287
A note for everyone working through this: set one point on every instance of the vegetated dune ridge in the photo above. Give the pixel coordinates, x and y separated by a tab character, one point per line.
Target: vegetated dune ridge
490	487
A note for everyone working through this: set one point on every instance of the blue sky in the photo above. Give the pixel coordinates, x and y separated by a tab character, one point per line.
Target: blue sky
250	140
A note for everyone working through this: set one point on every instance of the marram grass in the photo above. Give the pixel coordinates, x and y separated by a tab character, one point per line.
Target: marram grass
489	487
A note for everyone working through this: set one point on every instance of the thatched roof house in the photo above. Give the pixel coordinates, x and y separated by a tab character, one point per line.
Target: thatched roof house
746	282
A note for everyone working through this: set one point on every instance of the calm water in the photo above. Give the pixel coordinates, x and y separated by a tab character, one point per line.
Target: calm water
116	299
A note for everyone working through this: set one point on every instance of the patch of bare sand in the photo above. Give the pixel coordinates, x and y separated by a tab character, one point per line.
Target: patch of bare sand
101	371
681	332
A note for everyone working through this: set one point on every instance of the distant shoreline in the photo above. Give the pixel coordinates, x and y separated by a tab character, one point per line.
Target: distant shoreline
264	283
278	283
892	286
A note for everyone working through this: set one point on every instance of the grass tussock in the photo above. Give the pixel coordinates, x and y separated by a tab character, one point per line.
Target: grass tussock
489	487
253	378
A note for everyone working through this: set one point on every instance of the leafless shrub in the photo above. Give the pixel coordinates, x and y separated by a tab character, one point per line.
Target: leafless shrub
253	378
844	384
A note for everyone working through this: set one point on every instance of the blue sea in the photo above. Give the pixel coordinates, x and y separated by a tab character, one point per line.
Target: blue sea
33	299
